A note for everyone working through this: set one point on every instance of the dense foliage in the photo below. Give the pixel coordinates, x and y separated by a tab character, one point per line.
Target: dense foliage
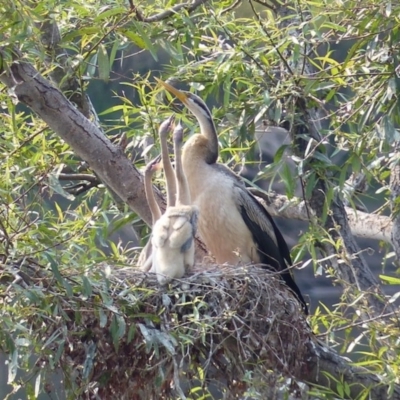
255	62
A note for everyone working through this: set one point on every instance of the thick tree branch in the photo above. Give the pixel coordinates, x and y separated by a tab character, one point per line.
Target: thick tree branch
85	138
365	225
323	361
108	161
65	78
61	71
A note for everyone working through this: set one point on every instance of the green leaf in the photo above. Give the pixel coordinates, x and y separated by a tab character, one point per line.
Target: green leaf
287	177
339	388
90	348
117	329
322	157
54	184
59	353
121	222
131	333
121	326
12	366
103	63
102	317
146	40
136	39
391	280
37	384
110	13
335	27
391	134
279	153
54	268
312	180
91	66
113	52
87	287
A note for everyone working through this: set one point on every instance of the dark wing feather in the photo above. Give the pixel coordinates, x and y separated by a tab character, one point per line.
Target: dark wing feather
272	247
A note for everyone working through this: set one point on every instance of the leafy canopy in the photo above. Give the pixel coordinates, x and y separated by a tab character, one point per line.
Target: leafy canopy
250	64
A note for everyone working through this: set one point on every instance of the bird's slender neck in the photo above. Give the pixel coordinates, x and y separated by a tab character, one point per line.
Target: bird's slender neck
207	129
151	200
169	172
183	192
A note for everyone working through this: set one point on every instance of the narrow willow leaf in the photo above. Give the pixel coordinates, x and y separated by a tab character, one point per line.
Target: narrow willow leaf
136	39
310	185
54	184
131	333
103	63
391	280
54	268
390	133
89	359
113	52
13	366
91	66
87	287
388	9
102	317
147	41
287	178
110	13
37	384
121	326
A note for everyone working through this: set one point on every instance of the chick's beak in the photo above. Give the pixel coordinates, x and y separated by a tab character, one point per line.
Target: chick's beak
154	165
171	122
178	133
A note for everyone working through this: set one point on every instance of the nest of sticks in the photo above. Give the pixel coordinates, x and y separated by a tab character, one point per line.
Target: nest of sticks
114	333
203	333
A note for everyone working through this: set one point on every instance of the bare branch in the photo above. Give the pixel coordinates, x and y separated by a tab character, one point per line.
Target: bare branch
236	3
81	188
78	177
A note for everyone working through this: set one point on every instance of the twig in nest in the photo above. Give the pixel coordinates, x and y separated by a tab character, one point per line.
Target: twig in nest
78	189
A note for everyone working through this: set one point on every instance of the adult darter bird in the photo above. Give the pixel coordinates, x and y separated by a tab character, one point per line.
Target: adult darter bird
235	227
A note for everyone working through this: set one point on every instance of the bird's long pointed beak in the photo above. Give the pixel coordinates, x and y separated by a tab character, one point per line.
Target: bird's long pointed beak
171	121
179	94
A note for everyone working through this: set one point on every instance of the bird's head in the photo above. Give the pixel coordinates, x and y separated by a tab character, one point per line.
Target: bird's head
178	134
205	145
193	102
167	126
154	165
